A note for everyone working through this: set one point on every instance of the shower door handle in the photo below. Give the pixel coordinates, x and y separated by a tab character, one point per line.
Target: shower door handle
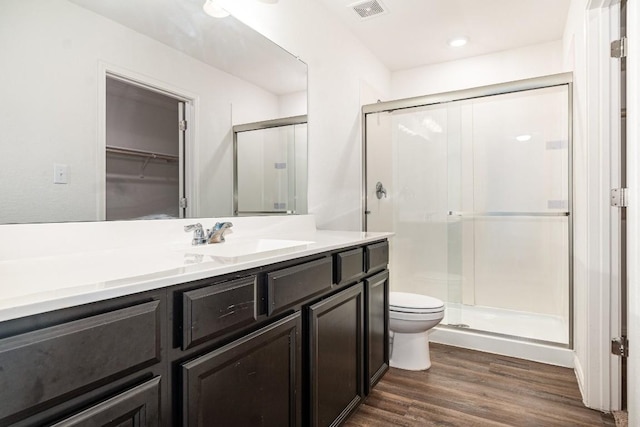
380	190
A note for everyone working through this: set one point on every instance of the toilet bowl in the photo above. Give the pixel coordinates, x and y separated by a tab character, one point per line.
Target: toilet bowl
411	316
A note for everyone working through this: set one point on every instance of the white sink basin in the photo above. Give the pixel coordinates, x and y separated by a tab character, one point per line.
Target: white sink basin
248	247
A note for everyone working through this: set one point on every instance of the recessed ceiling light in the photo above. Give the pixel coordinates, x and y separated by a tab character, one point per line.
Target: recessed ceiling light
213	8
523	138
458	41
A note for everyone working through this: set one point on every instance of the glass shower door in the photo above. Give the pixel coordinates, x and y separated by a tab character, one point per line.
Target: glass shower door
518	214
477	192
270	168
408	154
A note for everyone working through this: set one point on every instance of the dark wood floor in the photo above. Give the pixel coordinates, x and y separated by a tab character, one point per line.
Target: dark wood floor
470	388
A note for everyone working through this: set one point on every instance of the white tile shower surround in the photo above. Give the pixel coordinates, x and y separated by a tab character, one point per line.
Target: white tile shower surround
46	267
508	322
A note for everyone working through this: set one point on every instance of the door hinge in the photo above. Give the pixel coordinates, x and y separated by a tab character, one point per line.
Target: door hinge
620	346
619	197
183	203
619	48
182	125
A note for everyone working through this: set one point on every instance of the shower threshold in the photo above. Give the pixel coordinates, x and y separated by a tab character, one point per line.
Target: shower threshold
514	324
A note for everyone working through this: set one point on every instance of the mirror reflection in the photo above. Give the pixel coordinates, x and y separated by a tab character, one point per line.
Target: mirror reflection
107	102
270	167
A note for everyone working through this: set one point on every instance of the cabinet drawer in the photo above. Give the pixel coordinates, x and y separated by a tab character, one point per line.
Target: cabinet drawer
218	309
37	368
293	285
349	265
377	256
138	406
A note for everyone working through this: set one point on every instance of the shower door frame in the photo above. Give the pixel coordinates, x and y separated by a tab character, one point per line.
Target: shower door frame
553	80
266	124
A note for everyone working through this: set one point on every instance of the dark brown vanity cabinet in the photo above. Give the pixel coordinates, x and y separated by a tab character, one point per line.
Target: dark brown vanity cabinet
310	368
297	343
253	381
336	356
86	365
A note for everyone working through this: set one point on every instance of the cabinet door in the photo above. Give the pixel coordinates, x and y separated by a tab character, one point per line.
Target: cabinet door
135	407
254	381
336	332
377	336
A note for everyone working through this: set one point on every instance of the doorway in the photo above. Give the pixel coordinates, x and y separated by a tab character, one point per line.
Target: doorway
145	152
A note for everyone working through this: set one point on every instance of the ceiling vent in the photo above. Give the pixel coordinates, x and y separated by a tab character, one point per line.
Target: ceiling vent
368	8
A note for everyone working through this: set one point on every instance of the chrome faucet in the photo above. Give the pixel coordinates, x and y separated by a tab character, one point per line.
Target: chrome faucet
215	235
217	232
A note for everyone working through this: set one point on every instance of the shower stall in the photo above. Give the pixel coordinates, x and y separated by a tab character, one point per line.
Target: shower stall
476	184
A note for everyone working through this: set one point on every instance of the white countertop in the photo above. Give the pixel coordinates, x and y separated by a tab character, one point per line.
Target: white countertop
71	276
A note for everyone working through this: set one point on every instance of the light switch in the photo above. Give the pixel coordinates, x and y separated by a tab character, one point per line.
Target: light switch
60	172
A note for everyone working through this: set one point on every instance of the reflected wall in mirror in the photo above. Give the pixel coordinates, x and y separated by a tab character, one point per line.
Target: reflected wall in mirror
57	55
270	167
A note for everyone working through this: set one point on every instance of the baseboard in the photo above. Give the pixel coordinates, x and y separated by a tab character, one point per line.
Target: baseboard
577	368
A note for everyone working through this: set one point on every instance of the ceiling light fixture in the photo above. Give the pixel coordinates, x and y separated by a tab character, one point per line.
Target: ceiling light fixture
523	138
213	8
458	41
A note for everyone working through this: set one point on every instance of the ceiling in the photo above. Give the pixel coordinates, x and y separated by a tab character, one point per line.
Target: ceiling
415	32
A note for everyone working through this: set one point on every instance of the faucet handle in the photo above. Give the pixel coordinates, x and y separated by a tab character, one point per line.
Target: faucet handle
198	233
221	225
190	227
216	235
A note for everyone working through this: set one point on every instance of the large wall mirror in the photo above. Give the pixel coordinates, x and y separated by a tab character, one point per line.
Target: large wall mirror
91	89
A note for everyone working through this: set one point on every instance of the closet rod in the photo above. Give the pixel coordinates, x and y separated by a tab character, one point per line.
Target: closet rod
141	153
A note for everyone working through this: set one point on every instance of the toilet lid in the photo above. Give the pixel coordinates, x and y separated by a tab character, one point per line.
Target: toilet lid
407	302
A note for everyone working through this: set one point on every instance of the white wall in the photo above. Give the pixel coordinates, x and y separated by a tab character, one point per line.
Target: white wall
500	67
59	88
338	63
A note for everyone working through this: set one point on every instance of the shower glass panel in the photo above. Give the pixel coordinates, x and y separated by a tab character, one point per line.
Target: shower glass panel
478	194
271	170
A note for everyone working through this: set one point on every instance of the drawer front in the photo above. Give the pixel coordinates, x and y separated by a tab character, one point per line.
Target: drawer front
293	285
349	265
218	309
68	359
377	256
138	406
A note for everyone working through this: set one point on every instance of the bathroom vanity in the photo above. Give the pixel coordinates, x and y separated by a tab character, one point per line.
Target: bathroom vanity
291	336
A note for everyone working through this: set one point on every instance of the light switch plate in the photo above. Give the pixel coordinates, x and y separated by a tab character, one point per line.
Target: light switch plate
60	173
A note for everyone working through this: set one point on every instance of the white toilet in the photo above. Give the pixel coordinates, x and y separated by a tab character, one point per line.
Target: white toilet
410	318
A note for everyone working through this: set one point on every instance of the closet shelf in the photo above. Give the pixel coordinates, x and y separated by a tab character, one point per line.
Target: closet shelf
111	149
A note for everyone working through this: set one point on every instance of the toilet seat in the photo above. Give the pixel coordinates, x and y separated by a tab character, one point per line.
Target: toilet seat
403	302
